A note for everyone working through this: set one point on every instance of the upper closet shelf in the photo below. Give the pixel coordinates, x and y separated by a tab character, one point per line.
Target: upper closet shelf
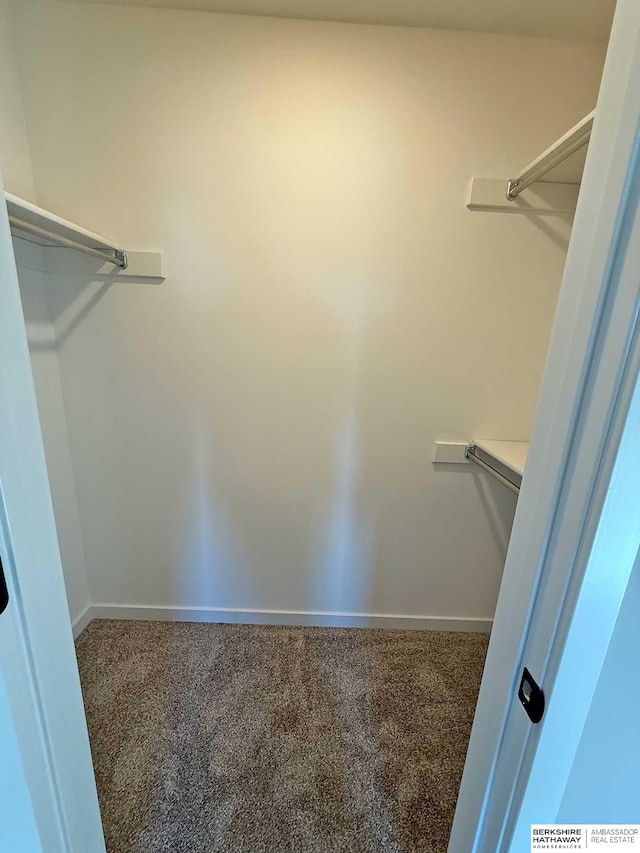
504	460
46	229
562	148
558	194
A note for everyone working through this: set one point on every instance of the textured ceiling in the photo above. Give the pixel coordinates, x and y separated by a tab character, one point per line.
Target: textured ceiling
587	20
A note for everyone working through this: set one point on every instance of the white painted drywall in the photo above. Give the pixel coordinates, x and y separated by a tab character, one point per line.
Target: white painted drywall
603	785
256	432
15	163
34	289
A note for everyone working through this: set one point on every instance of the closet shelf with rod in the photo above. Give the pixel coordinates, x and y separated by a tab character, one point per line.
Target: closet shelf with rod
47	229
503	460
537	188
50	231
558	152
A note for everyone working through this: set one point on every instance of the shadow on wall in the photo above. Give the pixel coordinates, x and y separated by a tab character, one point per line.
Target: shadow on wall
342	578
209	564
49	323
499	506
212	566
269	510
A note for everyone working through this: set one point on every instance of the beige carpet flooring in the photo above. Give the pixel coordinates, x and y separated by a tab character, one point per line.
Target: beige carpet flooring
256	739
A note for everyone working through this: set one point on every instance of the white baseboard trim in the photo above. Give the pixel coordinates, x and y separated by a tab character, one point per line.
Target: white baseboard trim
288	617
80	622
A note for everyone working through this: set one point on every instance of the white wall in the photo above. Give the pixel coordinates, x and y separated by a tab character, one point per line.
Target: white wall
256	433
15	162
35	286
603	785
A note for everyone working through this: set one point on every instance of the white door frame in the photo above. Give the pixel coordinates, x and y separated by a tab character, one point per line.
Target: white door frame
589	379
66	803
